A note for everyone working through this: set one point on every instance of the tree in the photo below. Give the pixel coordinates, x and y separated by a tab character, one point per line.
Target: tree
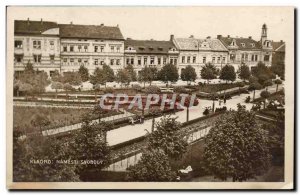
123	77
188	104
109	73
236	147
188	74
41	148
57	86
279	69
40	121
244	72
262	73
98	77
154	165
209	72
131	72
168	73
29	68
268	83
84	73
168	137
148	74
265	95
277	82
73	78
254	86
227	73
89	143
67	87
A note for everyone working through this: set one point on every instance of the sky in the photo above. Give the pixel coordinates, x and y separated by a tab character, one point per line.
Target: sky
159	23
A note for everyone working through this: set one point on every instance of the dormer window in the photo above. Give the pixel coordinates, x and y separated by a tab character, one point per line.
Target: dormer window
160	48
252	44
268	44
141	48
243	44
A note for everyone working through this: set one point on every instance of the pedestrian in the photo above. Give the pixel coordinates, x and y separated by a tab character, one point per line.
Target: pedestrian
224	99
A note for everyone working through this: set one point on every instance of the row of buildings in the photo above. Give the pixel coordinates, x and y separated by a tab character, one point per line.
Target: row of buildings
65	47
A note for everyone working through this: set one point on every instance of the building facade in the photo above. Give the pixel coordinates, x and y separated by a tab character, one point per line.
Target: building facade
247	50
38	43
91	46
278	54
198	52
152	53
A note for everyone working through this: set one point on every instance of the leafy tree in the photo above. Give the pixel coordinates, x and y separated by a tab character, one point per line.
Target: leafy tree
72	78
277	82
268	83
131	72
29	68
228	73
244	72
109	73
236	147
279	69
188	74
168	137
188	104
67	87
98	77
148	74
57	86
265	95
254	86
153	166
168	73
209	72
84	73
123	77
44	148
262	73
89	143
56	77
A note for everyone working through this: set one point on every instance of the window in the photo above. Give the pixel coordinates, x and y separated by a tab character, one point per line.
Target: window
19	44
101	48
223	59
71	48
266	58
246	57
188	59
132	61
256	58
65	48
183	59
79	48
71	60
219	60
52	57
165	60
194	59
37	44
118	49
152	60
171	60
118	62
85	48
37	58
145	60
127	61
232	57
51	45
96	49
139	60
65	60
86	61
19	58
213	60
204	60
112	61
159	61
96	62
175	61
102	62
243	57
112	48
268	44
79	60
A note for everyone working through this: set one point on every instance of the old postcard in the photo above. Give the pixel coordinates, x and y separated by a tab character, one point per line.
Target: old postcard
150	97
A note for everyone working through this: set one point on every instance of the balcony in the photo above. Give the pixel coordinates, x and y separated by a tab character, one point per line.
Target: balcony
19	50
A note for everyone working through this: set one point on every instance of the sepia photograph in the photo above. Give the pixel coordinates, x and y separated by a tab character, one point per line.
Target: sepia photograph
129	97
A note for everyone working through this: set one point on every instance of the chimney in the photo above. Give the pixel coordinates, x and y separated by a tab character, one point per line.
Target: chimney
228	36
208	37
102	24
281	41
71	23
192	36
171	37
250	37
28	21
118	25
41	20
219	36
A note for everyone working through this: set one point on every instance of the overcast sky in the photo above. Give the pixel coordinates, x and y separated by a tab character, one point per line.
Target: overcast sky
159	22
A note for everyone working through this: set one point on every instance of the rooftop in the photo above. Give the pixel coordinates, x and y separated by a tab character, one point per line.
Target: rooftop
149	46
241	43
199	44
29	27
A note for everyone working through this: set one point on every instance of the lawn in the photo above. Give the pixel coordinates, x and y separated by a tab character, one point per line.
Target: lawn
211	88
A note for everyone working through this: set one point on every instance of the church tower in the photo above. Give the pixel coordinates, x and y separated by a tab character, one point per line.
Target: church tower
263	33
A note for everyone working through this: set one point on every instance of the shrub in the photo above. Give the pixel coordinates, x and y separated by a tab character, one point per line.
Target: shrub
224	108
247	99
108	90
137	87
180	89
206	112
153	89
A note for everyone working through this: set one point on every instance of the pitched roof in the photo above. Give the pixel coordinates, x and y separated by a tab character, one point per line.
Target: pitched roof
90	31
149	46
199	44
278	46
29	27
241	43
